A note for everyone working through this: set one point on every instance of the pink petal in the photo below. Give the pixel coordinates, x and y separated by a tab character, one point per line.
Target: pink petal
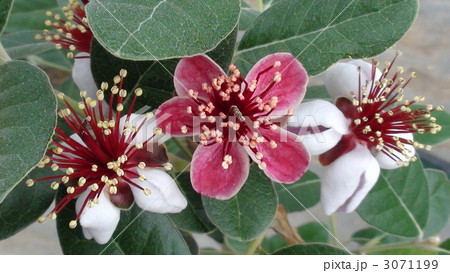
292	87
172	115
192	72
288	161
209	178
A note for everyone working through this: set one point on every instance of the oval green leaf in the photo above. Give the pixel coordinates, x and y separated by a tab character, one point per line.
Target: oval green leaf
311	249
320	32
163	29
250	212
399	202
30	15
300	195
23	205
5	9
27	121
21	44
439	201
193	218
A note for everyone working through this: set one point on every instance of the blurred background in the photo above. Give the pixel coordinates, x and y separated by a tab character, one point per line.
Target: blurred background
426	50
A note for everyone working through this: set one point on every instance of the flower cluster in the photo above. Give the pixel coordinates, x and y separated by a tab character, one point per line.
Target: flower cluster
73	34
236	117
109	162
370	127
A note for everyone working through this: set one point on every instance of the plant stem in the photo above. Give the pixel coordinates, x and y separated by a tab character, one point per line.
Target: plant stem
255	244
4	57
183	148
334	230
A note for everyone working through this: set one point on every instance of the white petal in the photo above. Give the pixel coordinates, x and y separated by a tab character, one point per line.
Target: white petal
387	162
82	75
347	180
165	196
343	78
319	113
319	143
306	121
366	69
100	221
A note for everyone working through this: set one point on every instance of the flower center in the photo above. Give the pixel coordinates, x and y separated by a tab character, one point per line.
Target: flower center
103	156
235	110
381	117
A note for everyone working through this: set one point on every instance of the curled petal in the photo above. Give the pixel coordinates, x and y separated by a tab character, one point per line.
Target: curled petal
319	142
209	177
348	179
319	124
288	161
164	196
82	75
320	113
392	160
343	78
173	119
192	72
292	87
100	221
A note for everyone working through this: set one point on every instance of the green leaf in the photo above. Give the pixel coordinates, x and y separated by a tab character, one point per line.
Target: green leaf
223	53
445	245
311	249
300	195
317	92
30	15
27	121
155	78
164	29
399	202
236	245
24	205
191	243
439	202
320	32
56	59
248	213
5	9
193	218
137	233
443	119
405	251
273	243
314	232
248	15
368	234
21	44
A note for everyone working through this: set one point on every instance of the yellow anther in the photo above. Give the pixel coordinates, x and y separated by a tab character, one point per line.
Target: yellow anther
73	224
138	91
29	182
